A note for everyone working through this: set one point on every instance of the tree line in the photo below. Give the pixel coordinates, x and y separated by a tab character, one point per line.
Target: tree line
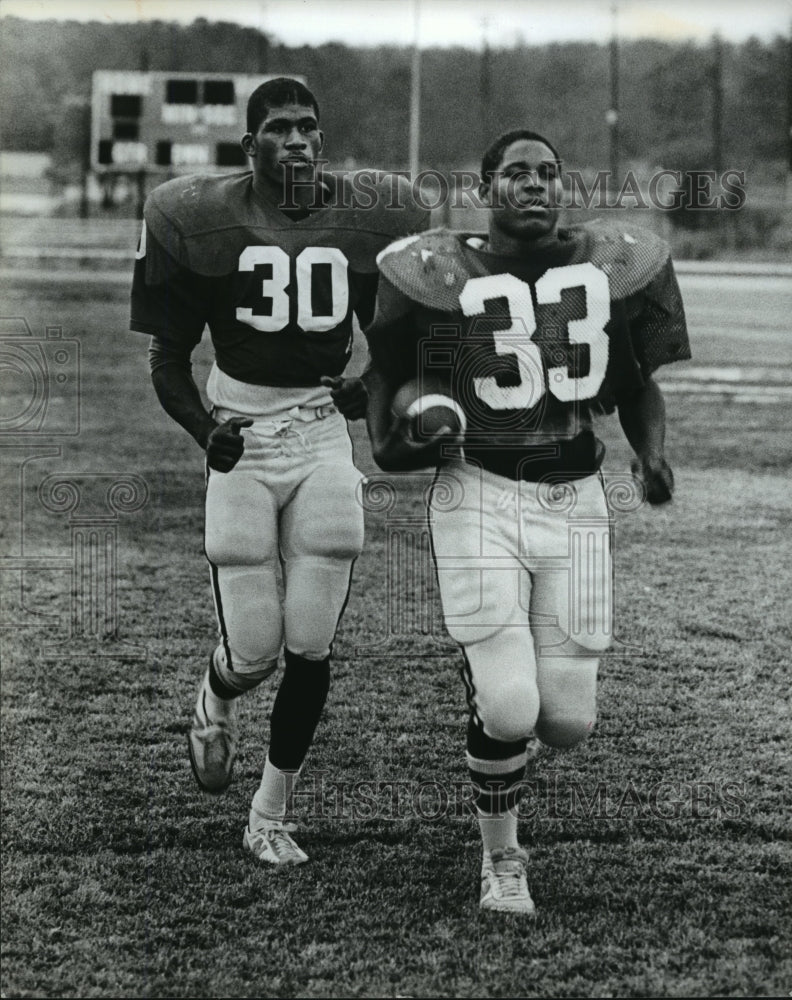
669	93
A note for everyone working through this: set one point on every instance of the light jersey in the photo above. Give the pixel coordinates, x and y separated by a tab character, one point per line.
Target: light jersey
530	346
278	294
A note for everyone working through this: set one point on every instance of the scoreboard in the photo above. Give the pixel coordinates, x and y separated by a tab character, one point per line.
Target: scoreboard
170	122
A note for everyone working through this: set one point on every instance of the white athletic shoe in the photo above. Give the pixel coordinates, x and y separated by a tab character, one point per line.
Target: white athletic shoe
271	842
504	883
213	746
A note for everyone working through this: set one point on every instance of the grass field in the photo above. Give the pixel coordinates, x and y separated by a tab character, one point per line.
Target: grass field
660	850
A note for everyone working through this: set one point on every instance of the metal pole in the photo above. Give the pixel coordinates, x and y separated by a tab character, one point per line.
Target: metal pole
612	116
415	94
140	186
789	120
85	158
485	84
717	104
262	42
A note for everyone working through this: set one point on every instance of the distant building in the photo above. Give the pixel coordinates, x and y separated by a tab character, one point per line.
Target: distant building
25	187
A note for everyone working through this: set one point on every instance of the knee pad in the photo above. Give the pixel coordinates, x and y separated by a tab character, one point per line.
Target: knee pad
568	699
316	593
500	674
562	733
249	612
239	675
510	713
321	536
255	670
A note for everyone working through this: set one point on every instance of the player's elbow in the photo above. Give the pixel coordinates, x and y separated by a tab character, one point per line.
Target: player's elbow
383	448
648	392
385	459
396	457
161	383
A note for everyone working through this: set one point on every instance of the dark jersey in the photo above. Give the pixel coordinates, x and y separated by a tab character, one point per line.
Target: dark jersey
530	346
277	293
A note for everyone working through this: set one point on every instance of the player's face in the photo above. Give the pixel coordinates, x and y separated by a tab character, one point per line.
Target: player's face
285	145
525	194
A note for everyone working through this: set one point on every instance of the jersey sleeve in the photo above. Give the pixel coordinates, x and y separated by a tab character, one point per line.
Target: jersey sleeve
366	298
168	300
659	330
393	333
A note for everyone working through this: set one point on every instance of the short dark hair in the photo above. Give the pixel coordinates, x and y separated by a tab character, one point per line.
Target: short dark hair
274	94
493	156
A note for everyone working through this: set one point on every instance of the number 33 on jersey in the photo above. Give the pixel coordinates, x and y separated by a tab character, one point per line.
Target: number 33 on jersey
577	325
278	294
562	377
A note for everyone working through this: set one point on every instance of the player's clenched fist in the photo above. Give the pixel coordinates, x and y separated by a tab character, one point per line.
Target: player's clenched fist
657	478
348	394
225	444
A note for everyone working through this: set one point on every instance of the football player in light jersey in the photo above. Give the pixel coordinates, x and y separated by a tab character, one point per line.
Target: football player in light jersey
531	331
275	260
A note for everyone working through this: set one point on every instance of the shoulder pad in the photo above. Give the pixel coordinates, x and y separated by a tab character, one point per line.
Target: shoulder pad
432	269
186	206
403	212
429	269
204	222
381	202
630	255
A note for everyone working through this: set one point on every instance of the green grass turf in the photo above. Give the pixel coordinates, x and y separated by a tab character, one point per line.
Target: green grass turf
660	849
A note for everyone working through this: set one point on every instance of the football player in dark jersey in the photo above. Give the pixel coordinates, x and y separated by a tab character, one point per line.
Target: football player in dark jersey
531	331
275	260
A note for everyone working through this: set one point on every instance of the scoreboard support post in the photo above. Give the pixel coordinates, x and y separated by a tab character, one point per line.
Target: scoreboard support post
140	188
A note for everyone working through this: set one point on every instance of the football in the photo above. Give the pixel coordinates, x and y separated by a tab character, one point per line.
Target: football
431	412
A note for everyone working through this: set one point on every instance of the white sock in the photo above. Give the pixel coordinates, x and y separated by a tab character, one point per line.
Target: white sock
272	796
498	829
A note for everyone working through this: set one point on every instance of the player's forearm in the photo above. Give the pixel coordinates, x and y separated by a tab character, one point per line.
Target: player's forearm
642	417
378	415
179	397
392	451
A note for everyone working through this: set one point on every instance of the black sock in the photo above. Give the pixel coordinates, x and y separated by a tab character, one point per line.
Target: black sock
298	706
496	769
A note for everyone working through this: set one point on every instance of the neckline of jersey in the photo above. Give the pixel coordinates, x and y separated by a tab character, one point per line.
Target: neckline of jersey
480	245
264	200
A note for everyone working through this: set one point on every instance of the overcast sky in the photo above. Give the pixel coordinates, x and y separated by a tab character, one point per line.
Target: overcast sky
443	22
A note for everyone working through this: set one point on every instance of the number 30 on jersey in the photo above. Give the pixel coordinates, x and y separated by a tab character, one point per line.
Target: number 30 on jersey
516	339
310	263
